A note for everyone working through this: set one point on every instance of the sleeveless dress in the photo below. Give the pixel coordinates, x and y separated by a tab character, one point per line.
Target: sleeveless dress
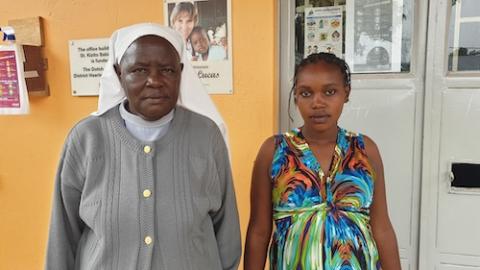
322	223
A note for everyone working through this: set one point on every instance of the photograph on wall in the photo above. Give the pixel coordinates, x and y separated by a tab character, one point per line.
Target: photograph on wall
374	35
323	30
205	26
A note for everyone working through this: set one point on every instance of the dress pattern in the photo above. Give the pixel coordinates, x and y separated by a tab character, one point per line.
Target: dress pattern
322	219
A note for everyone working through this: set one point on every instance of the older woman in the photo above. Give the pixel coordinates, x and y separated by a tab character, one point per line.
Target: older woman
145	183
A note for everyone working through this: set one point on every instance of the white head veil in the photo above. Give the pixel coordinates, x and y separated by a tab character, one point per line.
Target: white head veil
192	94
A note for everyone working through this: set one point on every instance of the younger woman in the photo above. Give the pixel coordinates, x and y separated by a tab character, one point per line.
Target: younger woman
321	185
183	18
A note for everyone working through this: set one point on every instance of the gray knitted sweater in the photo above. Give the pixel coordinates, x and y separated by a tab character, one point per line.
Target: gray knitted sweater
121	203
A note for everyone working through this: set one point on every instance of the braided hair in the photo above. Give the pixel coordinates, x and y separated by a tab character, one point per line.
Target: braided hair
315	58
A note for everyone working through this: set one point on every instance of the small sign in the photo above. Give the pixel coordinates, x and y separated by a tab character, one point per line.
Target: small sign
87	60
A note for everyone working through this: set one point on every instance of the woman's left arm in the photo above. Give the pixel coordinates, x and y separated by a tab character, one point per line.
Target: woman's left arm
225	220
380	222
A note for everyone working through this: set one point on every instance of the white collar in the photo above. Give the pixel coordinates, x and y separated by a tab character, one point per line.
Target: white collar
146	130
140	122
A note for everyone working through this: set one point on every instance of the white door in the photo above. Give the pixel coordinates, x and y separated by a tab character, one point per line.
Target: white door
450	214
387	105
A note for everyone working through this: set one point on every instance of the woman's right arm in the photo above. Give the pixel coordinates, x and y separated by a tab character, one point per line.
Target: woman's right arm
260	224
65	225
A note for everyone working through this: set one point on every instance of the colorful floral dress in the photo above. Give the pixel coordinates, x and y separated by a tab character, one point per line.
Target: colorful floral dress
322	223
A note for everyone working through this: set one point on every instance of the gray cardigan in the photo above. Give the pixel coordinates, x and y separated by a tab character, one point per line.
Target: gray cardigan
121	203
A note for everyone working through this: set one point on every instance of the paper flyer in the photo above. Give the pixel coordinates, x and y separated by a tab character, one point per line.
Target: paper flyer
323	30
13	89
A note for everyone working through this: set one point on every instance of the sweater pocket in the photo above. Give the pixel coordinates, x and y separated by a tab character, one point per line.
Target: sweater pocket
88	250
204	193
203	246
88	213
199	184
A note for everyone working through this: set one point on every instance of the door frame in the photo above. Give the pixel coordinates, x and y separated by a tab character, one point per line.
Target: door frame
415	79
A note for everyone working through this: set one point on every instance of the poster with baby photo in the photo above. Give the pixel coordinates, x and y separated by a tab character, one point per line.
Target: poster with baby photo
205	26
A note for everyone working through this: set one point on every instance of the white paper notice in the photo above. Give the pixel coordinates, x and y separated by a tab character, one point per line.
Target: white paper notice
87	60
374	35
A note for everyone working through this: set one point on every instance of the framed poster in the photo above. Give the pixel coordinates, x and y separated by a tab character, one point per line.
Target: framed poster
323	30
374	35
205	26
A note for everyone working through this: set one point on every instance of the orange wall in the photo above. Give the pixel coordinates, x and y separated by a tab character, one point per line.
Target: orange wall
30	145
